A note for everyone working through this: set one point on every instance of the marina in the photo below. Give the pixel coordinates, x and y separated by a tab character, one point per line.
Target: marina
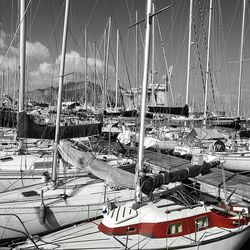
124	125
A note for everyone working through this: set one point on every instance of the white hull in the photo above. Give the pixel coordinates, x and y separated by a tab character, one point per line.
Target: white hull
84	200
151	142
235	242
83	235
232	162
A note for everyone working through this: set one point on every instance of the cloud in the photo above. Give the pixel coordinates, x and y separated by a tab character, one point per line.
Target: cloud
74	62
45	68
10	63
37	51
2	43
2	39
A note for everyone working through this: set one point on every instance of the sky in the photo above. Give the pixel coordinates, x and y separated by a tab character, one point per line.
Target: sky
44	27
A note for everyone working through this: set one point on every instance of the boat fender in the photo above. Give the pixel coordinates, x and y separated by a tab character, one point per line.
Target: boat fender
42	214
46	177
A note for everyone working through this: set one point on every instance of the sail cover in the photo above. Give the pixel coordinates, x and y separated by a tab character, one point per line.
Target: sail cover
112	175
8	118
27	128
149	183
169	110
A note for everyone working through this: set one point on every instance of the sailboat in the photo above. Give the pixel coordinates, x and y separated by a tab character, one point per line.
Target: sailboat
57	203
164	224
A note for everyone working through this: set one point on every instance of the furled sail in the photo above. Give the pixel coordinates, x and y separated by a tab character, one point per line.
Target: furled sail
149	183
28	128
169	110
112	175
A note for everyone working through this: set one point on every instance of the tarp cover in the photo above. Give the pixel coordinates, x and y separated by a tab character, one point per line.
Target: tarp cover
245	134
169	110
8	118
27	128
85	160
206	134
150	183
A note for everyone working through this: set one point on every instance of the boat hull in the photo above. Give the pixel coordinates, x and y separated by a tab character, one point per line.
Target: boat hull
233	162
26	212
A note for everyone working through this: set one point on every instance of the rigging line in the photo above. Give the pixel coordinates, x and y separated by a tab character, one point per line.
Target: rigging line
91	53
128	31
8	50
225	40
4	7
141	36
126	66
199	55
117	25
54	30
112	54
33	19
11	18
130	20
181	42
92	12
219	61
165	58
206	47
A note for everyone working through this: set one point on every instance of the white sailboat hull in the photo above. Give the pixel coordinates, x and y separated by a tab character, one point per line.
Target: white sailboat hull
84	200
83	235
232	162
233	242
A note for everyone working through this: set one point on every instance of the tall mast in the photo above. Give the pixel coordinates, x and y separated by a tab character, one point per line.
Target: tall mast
104	70
107	60
86	65
153	57
208	53
95	75
189	49
136	60
241	57
59	100
117	68
143	100
22	55
2	90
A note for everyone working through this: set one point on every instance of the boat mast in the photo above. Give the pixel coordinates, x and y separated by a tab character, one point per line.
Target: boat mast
241	57
189	49
95	75
143	100
117	68
153	58
86	65
59	100
22	55
104	70
2	90
207	66
107	59
137	61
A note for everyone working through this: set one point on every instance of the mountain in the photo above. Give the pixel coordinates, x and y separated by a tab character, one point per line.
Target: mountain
72	91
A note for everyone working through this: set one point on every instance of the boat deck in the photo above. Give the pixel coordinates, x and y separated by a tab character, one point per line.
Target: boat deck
236	183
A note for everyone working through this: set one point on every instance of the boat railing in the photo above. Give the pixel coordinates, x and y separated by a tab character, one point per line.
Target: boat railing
25	232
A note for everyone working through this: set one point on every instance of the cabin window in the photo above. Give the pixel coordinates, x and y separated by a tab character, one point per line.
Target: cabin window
6	158
30	193
175	228
130	229
201	223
